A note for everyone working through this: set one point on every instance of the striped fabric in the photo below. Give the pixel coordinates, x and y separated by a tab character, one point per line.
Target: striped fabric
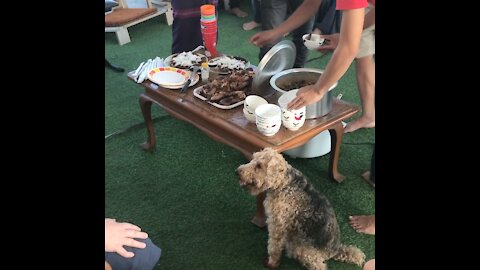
189	8
186	34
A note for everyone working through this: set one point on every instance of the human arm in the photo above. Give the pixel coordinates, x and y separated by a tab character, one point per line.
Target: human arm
332	42
348	43
302	14
118	235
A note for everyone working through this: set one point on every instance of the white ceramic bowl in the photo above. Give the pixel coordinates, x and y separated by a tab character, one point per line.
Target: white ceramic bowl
268	119
291	119
250	116
286	97
250	104
314	42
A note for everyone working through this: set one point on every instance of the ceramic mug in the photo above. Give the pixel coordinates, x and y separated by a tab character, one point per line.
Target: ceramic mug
291	119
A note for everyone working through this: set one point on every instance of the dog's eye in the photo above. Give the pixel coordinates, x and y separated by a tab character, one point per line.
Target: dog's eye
259	166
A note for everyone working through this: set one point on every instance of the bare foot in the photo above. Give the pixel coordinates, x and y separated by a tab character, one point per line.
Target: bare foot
361	122
250	25
370	265
363	224
238	12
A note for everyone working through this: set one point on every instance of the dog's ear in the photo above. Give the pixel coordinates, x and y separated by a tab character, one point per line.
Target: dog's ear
276	170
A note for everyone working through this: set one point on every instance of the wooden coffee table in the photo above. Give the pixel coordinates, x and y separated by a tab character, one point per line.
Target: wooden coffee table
232	128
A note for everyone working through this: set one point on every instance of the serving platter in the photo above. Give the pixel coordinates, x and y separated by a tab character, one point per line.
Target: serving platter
187	60
225	64
196	93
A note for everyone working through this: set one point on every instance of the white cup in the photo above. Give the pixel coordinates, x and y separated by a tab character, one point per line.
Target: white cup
268	119
291	119
312	41
250	104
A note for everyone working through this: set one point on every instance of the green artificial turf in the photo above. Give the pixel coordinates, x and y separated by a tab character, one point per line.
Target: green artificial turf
186	194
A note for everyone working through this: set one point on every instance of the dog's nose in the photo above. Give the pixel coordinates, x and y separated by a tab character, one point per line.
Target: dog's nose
237	172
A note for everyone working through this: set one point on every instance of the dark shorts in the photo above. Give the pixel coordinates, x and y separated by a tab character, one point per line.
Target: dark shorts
144	259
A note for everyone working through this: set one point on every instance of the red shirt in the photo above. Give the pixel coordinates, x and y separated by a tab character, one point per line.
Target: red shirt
353	4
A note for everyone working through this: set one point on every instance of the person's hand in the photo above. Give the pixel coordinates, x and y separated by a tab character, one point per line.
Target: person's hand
118	235
305	96
264	37
330	44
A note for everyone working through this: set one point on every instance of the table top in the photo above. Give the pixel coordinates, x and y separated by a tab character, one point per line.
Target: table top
234	122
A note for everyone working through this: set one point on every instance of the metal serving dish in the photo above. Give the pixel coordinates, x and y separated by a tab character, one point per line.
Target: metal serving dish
282	82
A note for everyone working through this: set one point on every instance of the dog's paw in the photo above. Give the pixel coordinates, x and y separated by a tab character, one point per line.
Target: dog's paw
269	265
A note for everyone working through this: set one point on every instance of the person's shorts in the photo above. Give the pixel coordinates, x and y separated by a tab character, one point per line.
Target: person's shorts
367	42
144	259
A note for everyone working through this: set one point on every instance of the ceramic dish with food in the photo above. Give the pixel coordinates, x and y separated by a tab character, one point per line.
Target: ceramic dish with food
224	104
225	64
185	60
228	91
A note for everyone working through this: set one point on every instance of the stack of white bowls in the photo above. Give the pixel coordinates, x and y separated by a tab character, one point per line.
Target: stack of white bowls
268	119
250	104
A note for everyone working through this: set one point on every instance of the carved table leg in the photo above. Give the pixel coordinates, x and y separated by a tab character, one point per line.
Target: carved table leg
146	106
260	219
336	134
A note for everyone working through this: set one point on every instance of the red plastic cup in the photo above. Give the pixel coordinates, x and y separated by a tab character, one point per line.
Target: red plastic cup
210	41
208	23
208	30
207	10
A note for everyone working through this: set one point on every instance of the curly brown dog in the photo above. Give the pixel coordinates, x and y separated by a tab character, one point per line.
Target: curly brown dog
299	218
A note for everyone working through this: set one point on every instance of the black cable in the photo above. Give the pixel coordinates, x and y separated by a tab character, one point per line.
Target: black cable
142	124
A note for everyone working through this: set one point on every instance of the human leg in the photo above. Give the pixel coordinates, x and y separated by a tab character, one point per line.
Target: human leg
297	34
273	14
144	259
257	17
328	18
186	34
365	74
369	176
235	9
257	14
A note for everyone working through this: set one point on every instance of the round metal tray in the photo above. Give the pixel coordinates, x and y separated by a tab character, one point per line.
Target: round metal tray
278	58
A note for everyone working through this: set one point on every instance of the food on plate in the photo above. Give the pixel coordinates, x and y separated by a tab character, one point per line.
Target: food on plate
186	60
226	64
229	89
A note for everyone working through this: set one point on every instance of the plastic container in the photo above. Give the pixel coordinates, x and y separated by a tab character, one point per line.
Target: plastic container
205	72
